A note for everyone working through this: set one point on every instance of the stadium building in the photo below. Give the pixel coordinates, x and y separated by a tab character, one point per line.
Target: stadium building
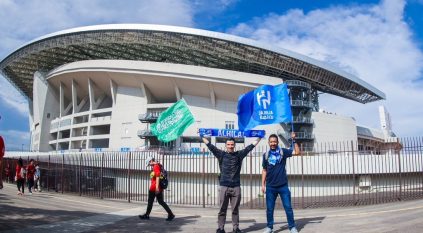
102	87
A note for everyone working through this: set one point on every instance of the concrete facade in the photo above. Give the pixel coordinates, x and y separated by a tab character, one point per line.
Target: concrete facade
97	104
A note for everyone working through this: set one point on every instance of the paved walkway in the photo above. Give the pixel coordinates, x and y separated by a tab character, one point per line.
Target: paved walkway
53	212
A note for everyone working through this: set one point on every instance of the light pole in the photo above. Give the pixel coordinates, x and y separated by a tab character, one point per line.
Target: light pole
22	147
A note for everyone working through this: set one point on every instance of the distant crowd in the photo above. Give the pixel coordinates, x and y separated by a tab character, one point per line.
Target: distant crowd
24	175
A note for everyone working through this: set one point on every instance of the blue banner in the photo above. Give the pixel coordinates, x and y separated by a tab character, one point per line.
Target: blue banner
263	106
231	133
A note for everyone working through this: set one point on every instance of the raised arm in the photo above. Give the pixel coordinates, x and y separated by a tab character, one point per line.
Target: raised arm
296	149
244	152
214	150
205	140
256	141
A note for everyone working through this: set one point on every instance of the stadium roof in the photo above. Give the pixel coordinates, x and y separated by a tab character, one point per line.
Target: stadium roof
177	45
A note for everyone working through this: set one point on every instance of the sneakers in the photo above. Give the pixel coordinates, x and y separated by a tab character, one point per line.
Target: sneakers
237	231
220	230
268	230
144	217
293	230
170	217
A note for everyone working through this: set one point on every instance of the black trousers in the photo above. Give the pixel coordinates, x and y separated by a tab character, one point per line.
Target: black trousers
151	197
21	183
30	184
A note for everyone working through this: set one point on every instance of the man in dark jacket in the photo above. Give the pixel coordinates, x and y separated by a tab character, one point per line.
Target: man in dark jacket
230	162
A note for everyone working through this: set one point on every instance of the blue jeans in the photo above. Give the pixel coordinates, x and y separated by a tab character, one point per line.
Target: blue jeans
271	196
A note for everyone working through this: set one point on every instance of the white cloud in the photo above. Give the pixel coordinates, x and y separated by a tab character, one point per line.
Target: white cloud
371	41
23	21
12	98
14	139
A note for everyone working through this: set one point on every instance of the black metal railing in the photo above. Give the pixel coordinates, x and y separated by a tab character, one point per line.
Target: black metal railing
334	174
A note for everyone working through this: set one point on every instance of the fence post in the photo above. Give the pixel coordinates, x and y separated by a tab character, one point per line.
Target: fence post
203	174
63	166
399	170
48	173
101	175
129	177
353	172
251	181
80	175
302	176
1	171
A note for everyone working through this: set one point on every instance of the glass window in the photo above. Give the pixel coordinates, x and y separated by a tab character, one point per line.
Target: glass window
229	125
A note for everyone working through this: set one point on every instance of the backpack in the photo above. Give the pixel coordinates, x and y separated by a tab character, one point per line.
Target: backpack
164	182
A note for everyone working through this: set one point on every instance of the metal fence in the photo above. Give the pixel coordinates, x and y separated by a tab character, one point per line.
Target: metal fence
334	174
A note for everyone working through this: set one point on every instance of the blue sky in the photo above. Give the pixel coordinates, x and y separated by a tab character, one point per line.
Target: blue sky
379	41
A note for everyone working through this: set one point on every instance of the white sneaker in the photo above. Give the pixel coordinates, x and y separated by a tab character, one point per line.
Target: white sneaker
268	230
293	230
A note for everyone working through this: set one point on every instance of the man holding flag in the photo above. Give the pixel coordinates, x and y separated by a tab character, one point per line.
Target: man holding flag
275	181
271	105
230	162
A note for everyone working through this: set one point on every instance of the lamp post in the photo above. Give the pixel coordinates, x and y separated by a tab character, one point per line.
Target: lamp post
22	147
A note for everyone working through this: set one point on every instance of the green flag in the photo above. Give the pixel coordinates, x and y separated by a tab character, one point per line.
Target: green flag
173	122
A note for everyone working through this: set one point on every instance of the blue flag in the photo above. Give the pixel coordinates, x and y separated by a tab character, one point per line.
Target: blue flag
264	106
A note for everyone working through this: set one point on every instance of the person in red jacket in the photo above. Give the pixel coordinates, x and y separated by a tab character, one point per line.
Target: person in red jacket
20	177
2	149
30	171
155	191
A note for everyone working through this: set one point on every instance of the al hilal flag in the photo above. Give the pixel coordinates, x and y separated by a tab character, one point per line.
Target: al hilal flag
173	122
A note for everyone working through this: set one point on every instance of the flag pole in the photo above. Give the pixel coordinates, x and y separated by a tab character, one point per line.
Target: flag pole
292	117
292	131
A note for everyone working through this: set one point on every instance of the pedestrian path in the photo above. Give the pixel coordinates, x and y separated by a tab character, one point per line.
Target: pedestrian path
55	212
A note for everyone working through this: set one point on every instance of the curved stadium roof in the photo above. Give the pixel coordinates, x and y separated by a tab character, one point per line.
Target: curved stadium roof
179	45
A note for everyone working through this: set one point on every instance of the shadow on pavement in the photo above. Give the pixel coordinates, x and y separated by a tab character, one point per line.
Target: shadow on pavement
261	226
153	225
18	217
301	223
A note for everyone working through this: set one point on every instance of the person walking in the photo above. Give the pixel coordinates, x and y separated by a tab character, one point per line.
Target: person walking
7	172
37	178
230	162
155	191
30	172
2	149
20	176
275	181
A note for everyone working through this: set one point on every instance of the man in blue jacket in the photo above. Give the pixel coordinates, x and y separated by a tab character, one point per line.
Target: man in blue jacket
230	162
275	181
